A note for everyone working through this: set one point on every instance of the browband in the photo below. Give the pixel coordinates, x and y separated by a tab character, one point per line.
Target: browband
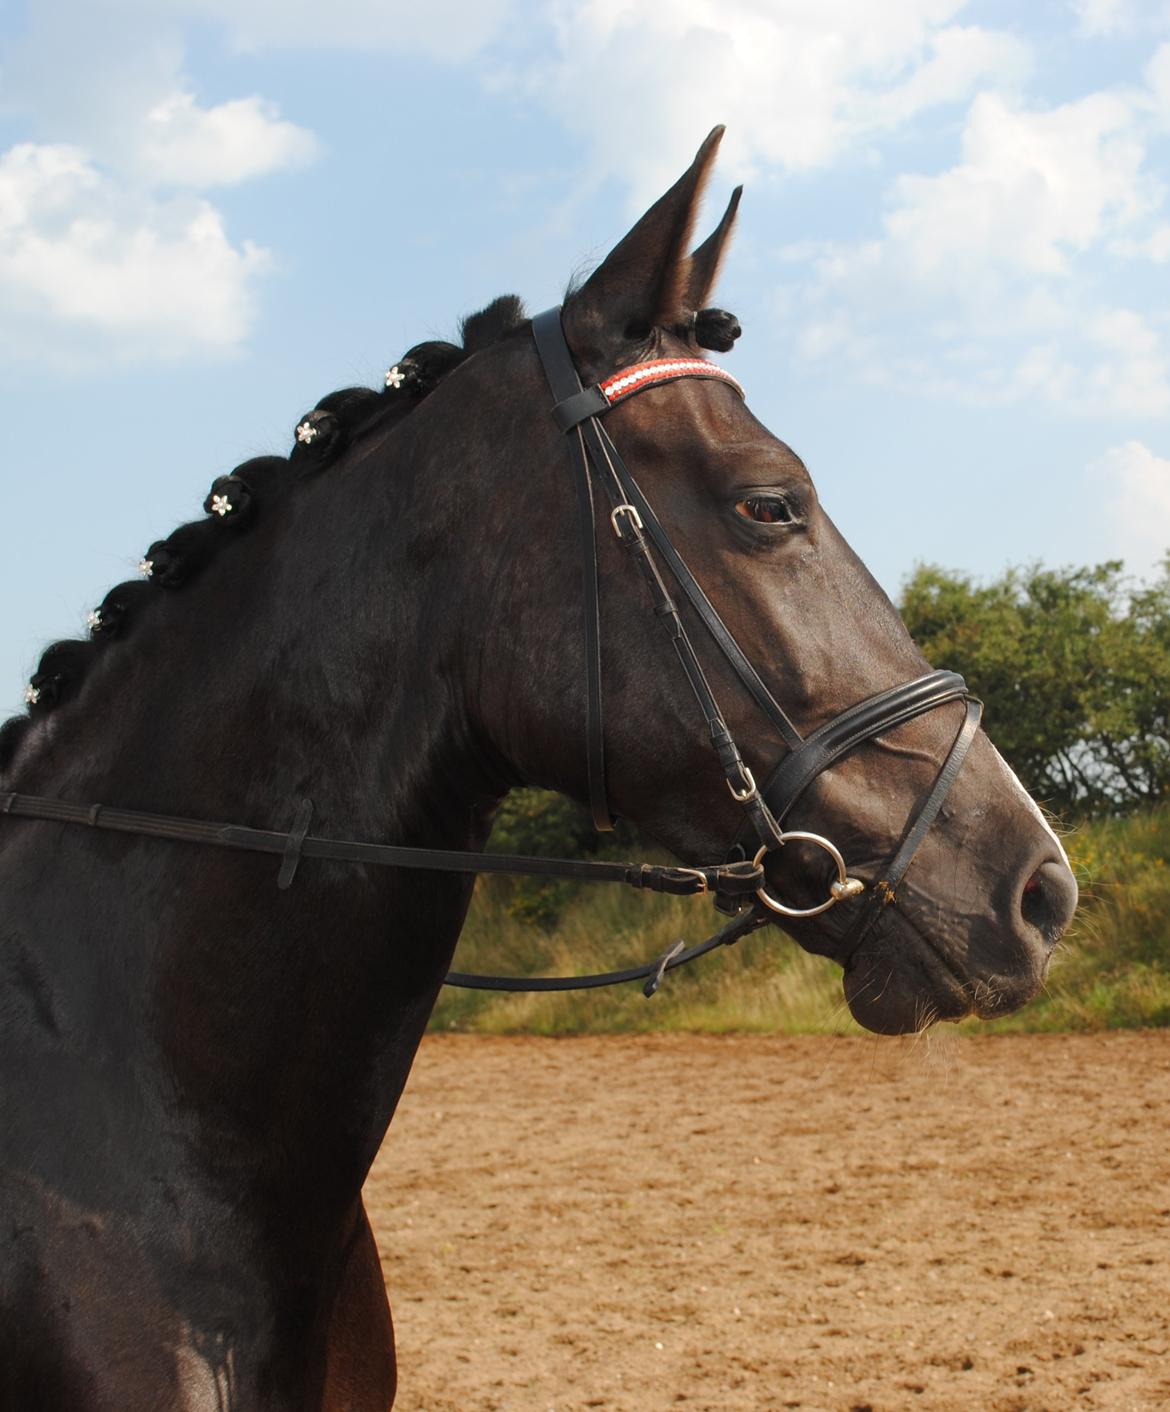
593	401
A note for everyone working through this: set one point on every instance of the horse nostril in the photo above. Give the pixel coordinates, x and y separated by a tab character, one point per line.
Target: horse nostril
1048	900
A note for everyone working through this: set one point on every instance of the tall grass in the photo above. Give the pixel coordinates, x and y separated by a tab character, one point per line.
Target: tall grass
764	984
1113	970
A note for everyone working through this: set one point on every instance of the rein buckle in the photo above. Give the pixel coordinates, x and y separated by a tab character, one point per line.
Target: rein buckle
699	875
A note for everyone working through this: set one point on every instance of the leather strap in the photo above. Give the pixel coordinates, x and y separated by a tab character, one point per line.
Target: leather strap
735	772
942	786
652	972
883	893
589	442
564	383
873	716
295	845
737	880
589	402
598	438
735	883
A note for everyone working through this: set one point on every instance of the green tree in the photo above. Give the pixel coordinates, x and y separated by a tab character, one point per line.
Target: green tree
538	823
1074	667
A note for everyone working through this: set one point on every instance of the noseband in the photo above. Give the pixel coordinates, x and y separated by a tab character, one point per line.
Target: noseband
737	884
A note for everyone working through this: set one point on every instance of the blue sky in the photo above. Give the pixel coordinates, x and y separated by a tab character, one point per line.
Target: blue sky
951	266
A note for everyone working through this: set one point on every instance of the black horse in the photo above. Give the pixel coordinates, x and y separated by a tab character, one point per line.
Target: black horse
196	1069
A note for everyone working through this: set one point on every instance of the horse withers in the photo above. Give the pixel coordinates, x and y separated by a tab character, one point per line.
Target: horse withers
196	1067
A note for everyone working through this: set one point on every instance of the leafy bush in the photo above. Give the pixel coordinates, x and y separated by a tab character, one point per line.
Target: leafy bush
537	823
1074	667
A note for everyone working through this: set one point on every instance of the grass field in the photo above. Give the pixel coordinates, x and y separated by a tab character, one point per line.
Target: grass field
1112	971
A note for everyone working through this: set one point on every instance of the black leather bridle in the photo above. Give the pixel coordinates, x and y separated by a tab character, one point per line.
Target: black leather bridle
577	411
738	885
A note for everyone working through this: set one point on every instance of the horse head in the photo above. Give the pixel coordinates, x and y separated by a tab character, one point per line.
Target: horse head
990	890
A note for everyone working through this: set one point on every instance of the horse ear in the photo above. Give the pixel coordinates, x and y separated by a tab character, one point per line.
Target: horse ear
706	260
642	283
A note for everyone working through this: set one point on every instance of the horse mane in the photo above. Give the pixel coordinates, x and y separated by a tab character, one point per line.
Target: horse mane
236	499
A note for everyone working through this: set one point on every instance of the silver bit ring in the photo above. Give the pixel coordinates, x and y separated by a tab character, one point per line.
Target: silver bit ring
844	886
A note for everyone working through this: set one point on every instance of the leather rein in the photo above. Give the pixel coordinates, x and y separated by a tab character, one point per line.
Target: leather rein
737	884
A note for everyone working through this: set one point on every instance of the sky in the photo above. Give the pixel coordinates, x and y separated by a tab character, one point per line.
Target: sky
951	263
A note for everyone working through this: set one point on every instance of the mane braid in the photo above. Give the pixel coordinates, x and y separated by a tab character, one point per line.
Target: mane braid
235	501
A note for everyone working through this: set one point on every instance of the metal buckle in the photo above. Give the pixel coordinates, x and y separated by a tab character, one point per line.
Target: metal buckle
845	886
742	796
625	509
704	885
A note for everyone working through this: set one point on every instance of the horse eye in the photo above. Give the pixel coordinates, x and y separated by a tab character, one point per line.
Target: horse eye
765	510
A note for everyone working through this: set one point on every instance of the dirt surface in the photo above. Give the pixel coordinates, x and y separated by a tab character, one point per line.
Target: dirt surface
650	1224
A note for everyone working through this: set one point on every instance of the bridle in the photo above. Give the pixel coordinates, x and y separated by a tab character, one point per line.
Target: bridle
578	412
737	884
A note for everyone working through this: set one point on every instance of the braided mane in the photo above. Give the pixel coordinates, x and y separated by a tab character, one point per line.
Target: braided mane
236	499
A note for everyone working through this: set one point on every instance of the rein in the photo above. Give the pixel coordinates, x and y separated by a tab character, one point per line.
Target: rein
732	883
736	882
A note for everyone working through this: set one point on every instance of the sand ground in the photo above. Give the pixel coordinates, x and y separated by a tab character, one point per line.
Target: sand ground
693	1223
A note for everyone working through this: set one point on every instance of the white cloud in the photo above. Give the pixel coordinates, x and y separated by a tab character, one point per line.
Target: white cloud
132	106
1108	18
1133	485
79	251
956	62
1133	373
1112	362
984	284
1157	76
798	83
107	247
1154	247
184	145
1032	188
1103	17
448	30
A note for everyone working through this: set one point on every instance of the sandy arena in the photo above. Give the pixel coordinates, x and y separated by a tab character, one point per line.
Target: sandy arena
697	1223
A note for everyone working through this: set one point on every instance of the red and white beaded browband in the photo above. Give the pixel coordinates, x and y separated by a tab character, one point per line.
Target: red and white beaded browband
592	401
621	384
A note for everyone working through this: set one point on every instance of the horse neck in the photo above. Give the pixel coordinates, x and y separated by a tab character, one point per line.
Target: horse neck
316	657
